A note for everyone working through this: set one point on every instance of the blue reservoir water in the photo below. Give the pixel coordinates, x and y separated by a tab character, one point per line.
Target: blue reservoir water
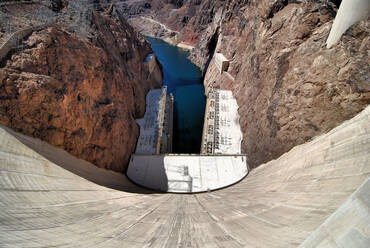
183	79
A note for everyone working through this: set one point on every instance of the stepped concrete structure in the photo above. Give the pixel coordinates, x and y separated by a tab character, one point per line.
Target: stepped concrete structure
221	128
309	197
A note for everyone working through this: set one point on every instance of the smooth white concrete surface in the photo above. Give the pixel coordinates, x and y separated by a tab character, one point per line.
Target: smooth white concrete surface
186	173
222	62
349	13
49	198
348	226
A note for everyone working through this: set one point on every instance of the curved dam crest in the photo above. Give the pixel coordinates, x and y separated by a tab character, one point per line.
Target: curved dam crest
315	195
50	198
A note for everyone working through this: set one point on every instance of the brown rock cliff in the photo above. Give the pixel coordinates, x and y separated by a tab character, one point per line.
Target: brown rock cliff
78	92
289	87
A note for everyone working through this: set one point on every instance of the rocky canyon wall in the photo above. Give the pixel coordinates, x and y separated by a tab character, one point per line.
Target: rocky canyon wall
172	20
288	85
79	83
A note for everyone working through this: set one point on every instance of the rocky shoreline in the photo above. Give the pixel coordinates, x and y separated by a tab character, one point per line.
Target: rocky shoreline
155	29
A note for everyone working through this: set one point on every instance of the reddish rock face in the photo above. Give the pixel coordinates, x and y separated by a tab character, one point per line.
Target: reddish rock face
82	96
289	87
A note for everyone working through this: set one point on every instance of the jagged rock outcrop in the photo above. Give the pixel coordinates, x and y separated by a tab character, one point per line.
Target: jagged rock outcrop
58	5
81	91
289	86
174	21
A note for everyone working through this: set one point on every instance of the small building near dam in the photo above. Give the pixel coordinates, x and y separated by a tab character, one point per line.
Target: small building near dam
222	62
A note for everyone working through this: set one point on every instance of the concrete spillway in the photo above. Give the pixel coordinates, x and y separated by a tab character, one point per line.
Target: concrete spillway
48	198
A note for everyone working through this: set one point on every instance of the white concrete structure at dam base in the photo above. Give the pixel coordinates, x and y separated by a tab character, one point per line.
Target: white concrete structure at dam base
309	197
156	125
152	167
186	173
350	12
221	128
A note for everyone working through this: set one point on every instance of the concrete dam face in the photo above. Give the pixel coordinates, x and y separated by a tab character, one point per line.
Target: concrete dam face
316	195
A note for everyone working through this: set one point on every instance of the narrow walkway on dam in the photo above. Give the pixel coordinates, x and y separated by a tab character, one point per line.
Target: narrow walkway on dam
48	198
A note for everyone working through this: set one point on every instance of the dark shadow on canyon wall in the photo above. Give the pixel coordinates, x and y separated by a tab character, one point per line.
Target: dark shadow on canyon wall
211	49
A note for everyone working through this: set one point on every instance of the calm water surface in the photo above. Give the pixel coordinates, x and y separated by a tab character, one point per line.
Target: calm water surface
183	79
